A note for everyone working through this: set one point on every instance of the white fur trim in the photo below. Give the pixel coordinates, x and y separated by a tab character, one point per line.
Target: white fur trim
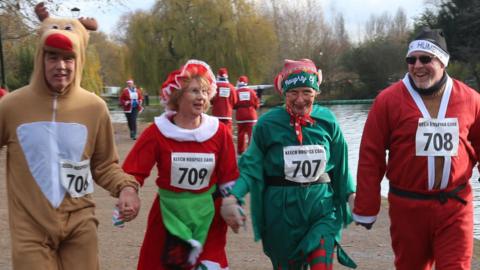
208	127
211	265
167	90
195	252
246	121
242	84
226	188
364	219
429	47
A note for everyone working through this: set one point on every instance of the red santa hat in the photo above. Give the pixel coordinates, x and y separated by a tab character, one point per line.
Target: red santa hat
223	73
242	81
192	68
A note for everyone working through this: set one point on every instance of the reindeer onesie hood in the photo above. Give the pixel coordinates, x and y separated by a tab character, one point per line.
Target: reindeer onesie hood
68	36
50	127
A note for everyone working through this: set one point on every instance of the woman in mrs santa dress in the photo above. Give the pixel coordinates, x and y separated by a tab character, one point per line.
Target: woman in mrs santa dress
195	159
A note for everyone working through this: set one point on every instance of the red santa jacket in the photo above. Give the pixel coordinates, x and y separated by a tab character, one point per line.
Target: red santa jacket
247	105
126	99
391	125
224	101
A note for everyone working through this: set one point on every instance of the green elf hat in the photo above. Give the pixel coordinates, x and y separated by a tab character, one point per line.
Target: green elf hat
298	73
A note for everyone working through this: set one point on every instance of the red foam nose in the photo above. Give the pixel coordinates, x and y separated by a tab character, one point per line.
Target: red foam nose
59	41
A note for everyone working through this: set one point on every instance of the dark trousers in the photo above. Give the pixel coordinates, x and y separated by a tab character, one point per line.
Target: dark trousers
132	122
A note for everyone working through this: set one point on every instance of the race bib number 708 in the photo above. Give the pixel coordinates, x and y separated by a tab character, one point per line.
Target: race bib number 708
437	137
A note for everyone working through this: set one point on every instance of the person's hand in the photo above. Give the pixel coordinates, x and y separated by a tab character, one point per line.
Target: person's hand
351	201
367	226
127	102
128	203
232	213
351	204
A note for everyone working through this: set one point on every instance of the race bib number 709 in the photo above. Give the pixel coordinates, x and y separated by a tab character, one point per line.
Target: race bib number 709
191	171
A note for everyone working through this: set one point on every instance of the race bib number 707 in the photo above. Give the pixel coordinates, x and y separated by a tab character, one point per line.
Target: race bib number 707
304	163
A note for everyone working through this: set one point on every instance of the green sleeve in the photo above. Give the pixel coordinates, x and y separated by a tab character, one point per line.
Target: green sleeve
251	180
342	180
251	170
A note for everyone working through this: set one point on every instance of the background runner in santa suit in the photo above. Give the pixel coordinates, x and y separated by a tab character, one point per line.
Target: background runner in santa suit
296	169
225	99
131	100
58	144
430	125
246	112
195	160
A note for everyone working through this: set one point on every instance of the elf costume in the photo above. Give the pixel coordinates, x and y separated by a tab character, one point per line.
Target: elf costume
296	169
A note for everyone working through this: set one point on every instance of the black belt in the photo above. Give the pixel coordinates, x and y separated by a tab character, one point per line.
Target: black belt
441	196
281	181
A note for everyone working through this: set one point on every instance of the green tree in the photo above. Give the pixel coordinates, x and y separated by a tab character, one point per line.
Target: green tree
379	60
91	79
19	75
460	20
112	59
378	63
173	31
256	48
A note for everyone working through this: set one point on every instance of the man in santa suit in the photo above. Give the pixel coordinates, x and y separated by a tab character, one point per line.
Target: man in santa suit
430	125
246	114
225	99
131	100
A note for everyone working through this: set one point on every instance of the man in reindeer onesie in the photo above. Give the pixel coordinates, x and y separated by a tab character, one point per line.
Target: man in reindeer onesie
58	143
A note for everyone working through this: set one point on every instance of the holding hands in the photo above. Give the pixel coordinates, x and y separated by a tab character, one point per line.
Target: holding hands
351	204
128	203
232	213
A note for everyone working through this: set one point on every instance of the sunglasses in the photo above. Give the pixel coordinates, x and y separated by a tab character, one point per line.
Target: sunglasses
424	59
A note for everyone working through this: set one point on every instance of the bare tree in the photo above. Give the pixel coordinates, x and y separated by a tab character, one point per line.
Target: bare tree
23	9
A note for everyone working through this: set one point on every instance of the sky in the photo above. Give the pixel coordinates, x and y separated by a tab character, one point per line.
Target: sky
355	12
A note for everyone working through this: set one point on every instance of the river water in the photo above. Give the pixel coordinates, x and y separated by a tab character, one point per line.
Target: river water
352	119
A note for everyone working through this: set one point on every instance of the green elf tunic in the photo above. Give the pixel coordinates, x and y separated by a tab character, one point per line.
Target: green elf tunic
290	219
